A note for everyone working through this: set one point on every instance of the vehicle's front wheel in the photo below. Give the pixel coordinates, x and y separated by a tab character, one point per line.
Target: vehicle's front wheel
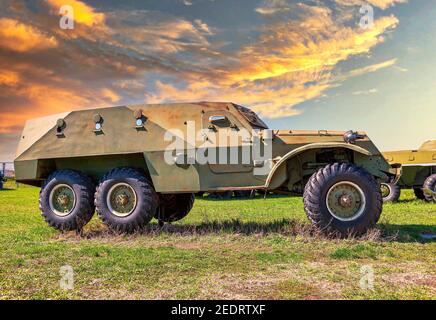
429	188
125	200
390	192
343	198
66	200
174	207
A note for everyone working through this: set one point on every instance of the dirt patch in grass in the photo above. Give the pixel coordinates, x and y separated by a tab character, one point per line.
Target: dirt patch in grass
291	282
412	278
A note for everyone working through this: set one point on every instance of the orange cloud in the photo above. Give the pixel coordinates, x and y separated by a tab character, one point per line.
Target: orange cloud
285	49
17	36
291	63
40	100
8	78
110	95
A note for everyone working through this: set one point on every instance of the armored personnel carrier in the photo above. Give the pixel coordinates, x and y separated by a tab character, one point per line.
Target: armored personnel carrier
419	172
134	163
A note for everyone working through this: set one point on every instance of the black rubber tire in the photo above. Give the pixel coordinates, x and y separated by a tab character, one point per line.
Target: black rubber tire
419	193
84	209
147	200
174	207
430	183
394	194
315	193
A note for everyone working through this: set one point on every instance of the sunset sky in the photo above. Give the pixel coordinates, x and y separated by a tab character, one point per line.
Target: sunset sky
300	64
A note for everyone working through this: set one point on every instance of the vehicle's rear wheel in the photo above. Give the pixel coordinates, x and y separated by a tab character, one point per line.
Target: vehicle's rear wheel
430	186
419	193
174	207
390	192
66	200
343	198
125	200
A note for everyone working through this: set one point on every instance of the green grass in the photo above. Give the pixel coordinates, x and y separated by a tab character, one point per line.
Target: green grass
238	249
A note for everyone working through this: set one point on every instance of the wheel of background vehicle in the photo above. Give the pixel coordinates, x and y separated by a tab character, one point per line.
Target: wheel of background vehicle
174	207
243	194
430	183
222	195
390	192
125	200
343	198
66	200
419	193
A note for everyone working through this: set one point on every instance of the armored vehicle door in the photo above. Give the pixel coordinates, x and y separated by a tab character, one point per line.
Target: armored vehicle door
230	142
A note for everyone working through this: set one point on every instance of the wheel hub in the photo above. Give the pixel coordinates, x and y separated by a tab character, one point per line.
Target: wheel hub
385	190
62	200
345	201
121	200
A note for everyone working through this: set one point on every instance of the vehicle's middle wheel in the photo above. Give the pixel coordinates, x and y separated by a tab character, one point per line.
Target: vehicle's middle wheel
343	198
390	192
125	200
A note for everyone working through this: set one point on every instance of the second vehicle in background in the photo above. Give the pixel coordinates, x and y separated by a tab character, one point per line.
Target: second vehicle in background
419	172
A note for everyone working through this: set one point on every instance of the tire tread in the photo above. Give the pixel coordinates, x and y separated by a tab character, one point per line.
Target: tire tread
86	195
149	205
314	187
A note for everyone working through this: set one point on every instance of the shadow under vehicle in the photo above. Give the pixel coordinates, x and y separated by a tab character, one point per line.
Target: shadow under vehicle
418	173
115	161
